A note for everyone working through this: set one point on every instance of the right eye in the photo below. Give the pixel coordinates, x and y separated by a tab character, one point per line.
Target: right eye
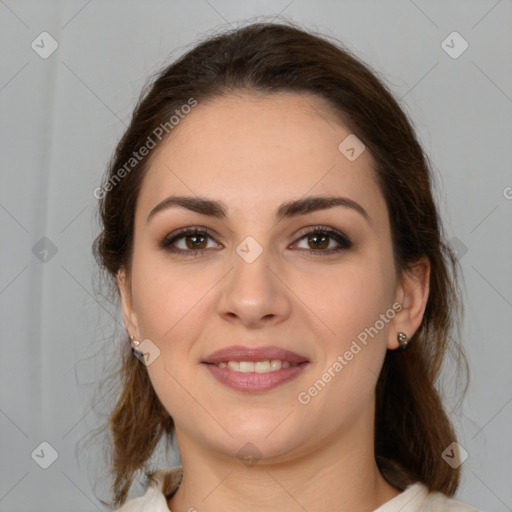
194	240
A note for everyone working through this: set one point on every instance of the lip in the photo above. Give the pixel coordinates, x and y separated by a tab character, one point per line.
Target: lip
252	381
254	354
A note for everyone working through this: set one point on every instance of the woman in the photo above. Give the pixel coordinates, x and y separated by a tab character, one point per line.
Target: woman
286	289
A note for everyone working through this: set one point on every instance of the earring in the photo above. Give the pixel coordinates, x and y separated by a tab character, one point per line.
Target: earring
134	343
403	341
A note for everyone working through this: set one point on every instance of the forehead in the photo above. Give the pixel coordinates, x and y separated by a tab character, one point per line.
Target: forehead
257	151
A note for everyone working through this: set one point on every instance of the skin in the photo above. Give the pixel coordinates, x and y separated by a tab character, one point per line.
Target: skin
254	152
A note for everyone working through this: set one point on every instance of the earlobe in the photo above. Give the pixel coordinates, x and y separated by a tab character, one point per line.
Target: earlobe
125	296
412	294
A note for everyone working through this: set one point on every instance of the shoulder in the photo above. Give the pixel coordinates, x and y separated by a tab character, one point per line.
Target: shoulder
417	498
436	501
160	485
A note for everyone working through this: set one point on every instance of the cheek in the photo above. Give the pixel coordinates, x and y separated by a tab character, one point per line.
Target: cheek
345	301
172	306
355	308
165	296
350	357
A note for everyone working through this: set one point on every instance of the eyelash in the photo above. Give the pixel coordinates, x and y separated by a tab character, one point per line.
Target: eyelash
339	237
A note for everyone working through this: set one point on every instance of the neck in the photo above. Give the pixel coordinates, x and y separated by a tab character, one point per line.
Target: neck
339	475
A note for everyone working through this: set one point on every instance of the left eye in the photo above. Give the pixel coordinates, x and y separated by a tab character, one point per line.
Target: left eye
194	241
320	240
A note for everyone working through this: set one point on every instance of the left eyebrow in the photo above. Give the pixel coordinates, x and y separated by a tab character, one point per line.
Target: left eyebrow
293	208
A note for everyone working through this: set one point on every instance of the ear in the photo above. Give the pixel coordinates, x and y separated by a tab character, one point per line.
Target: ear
412	293
125	293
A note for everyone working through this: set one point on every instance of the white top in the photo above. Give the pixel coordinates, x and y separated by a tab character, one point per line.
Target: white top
415	498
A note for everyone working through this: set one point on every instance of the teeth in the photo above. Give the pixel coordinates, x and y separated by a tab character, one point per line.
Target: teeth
234	365
259	366
262	366
275	364
246	366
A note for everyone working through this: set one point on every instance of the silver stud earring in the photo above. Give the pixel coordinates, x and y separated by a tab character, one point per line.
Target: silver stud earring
403	341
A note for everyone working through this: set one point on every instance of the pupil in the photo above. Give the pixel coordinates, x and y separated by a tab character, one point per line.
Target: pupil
193	244
316	237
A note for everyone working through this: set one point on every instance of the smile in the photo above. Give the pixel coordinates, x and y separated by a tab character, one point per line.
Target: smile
266	366
255	376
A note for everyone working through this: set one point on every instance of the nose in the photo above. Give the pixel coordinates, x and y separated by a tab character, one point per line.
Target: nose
254	294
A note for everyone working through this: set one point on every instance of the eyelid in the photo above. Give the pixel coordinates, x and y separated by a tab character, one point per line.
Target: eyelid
343	241
320	227
183	232
340	237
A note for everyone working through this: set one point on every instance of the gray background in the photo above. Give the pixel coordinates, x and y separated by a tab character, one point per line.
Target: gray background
61	117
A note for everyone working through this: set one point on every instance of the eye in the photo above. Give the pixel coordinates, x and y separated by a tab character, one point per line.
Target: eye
319	240
194	241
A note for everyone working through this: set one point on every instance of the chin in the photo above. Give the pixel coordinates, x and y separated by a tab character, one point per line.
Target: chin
262	438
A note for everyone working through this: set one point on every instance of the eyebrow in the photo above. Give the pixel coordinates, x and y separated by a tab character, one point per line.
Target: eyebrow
294	208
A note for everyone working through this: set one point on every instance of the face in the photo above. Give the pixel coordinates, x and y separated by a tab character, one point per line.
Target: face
319	283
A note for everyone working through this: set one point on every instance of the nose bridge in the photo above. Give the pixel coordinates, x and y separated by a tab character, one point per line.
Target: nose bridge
251	276
253	292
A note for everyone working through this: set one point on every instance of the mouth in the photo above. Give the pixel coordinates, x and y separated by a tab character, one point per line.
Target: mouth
240	353
254	369
265	366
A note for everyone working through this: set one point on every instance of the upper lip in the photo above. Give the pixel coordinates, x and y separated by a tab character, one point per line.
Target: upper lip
254	354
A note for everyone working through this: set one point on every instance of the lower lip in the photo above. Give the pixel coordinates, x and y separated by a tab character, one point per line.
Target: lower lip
252	381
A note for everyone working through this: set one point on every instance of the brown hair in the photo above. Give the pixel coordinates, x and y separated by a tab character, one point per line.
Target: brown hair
411	426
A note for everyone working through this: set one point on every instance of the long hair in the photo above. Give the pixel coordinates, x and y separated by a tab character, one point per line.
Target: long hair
412	427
